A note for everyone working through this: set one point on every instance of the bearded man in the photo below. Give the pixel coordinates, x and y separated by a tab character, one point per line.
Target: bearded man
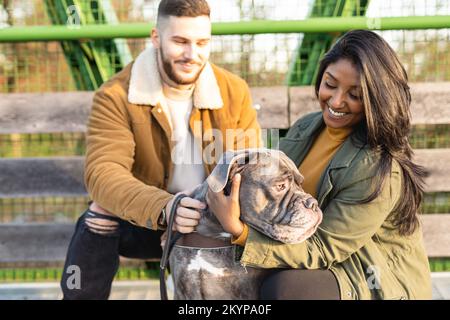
150	136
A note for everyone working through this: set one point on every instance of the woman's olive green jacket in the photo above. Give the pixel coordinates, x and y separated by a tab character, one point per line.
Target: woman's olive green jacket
356	242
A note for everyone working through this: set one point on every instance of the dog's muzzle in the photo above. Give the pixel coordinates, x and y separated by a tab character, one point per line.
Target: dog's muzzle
298	222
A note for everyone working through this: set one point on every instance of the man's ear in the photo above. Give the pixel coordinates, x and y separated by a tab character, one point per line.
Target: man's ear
155	38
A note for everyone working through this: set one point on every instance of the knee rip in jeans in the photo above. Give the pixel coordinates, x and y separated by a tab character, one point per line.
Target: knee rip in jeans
102	226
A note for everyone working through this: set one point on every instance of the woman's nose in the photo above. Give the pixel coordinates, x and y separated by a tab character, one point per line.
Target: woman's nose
337	101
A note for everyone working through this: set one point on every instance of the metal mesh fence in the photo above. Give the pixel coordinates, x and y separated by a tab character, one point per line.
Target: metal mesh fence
42	144
45	209
68	209
436	202
262	60
74	143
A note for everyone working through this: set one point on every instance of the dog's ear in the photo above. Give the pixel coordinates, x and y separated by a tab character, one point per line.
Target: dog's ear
298	177
218	179
233	162
235	168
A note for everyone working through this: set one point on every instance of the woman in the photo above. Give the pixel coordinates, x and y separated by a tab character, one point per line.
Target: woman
356	160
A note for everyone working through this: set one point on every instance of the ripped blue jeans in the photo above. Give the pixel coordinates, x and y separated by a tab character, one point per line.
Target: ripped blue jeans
94	252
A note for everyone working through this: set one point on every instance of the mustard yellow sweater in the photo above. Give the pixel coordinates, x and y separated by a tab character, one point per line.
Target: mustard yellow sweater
320	155
322	151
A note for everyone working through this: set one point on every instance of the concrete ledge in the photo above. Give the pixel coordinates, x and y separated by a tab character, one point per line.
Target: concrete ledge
437	162
44	112
436	234
48	243
121	290
69	111
149	290
63	176
40	177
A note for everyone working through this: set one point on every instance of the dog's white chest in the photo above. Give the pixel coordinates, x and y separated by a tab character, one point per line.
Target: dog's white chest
212	273
199	264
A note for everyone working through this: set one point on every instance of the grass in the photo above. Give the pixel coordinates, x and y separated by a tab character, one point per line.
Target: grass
10	275
439	264
21	275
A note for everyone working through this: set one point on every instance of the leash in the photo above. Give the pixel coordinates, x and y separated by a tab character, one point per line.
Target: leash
168	246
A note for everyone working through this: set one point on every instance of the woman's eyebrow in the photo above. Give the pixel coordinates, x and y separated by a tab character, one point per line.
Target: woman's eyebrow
334	78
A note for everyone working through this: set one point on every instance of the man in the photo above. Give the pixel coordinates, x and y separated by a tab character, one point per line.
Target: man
152	133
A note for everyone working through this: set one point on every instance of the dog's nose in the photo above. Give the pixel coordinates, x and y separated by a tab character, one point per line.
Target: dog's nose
311	203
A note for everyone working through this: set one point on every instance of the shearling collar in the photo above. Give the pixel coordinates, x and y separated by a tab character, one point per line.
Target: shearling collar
146	88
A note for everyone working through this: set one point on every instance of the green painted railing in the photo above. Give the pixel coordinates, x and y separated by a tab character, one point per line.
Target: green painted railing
312	46
142	30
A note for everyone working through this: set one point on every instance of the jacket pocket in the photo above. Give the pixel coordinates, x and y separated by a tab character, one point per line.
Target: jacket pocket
380	275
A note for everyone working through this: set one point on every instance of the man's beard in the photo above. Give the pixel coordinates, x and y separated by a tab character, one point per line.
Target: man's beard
170	72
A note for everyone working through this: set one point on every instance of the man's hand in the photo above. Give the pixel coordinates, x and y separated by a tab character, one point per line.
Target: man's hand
227	209
187	214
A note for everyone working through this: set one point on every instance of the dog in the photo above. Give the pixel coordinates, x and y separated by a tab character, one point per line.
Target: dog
272	201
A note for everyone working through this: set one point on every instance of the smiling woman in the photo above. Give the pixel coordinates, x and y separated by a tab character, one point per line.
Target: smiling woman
339	95
356	160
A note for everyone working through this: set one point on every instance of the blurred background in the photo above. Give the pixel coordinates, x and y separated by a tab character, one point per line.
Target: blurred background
262	60
30	71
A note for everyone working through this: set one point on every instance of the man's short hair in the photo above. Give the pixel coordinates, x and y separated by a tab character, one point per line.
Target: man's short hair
183	8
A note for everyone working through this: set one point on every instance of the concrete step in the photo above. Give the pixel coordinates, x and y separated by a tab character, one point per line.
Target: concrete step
149	289
121	290
441	285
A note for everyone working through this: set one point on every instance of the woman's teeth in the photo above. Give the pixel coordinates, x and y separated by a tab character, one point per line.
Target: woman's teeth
335	113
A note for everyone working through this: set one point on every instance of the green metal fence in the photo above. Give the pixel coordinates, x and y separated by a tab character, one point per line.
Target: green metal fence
261	59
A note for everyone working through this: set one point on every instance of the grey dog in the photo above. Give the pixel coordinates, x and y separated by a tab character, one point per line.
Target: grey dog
272	201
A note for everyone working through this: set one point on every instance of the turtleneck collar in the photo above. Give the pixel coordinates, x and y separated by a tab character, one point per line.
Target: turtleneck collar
338	134
175	94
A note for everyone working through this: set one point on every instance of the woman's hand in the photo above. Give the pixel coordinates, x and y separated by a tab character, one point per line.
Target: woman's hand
227	209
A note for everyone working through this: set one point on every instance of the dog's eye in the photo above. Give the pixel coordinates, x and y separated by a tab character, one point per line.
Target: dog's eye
280	186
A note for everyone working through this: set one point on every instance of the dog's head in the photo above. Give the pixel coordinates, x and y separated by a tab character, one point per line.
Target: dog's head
271	196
